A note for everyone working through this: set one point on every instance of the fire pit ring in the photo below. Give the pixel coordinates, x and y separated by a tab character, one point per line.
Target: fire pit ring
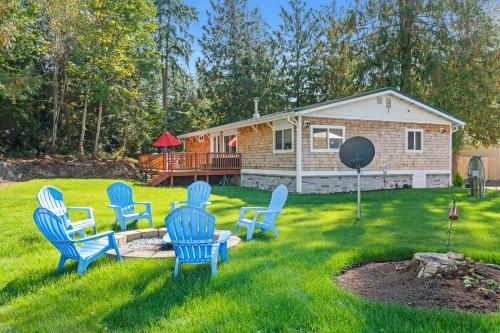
148	243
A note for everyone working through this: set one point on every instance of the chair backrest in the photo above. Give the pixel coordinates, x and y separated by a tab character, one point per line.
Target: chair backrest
198	194
191	231
51	198
278	200
54	229
120	194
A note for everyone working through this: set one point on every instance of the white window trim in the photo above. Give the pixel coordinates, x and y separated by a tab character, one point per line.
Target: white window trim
414	151
283	151
327	150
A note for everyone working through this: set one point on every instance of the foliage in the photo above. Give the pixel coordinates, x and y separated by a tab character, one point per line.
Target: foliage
237	64
295	40
458	180
108	77
282	284
173	41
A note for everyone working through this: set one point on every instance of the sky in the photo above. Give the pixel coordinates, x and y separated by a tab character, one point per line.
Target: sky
270	10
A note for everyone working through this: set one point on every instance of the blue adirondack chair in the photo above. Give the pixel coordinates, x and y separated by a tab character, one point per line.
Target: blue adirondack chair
52	199
197	196
120	197
191	232
85	250
269	213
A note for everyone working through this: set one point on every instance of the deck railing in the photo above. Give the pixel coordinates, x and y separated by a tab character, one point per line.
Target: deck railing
172	162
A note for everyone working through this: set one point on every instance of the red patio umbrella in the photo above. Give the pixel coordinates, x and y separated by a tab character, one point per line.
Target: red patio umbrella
166	140
233	142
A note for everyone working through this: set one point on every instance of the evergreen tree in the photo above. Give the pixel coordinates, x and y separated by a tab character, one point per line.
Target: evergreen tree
295	42
238	61
173	42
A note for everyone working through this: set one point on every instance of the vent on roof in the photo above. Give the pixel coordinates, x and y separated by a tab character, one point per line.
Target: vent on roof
388	103
379	100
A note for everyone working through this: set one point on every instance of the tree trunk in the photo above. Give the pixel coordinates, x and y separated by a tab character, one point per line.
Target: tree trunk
55	108
58	102
164	76
81	153
98	131
406	20
164	90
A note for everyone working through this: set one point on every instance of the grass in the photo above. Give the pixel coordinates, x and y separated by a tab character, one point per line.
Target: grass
268	284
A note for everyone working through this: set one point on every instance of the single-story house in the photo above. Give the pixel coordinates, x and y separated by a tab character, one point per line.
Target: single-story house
300	147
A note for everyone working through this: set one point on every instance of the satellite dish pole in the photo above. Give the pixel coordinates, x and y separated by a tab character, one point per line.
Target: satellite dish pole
357	163
356	153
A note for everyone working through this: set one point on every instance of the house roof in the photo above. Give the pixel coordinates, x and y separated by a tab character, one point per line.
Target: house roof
326	104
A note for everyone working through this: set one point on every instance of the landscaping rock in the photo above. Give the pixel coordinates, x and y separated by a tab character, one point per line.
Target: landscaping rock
429	264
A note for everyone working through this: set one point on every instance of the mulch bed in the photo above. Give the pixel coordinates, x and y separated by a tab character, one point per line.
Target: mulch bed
381	281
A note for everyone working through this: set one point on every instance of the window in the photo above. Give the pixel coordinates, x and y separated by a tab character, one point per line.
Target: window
200	138
414	140
283	140
327	138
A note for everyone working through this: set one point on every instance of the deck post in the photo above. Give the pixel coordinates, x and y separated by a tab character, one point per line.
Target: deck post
171	169
195	166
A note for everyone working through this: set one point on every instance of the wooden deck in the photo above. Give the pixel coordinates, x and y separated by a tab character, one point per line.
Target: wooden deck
159	168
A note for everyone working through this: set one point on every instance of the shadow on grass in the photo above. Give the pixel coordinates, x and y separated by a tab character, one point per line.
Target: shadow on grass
30	283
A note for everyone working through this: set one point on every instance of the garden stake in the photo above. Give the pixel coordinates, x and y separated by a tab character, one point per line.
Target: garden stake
452	216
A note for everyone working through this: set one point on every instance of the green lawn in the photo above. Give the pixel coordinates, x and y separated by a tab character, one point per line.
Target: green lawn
268	284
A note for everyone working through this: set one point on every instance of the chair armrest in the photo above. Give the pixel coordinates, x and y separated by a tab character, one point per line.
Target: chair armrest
79	208
90	213
72	231
224	236
118	210
261	212
147	206
173	204
97	236
244	209
253	208
145	203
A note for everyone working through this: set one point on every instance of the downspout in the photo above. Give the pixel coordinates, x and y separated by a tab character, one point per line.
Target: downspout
452	130
298	164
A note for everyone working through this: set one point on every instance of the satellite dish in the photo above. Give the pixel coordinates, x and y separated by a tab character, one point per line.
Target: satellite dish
356	153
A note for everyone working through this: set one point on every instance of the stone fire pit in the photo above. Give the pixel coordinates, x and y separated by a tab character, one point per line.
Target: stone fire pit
147	243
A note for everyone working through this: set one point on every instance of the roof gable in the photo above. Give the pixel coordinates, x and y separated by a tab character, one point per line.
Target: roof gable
413	102
386	107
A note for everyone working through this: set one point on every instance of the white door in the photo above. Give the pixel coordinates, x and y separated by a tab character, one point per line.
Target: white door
419	180
214	143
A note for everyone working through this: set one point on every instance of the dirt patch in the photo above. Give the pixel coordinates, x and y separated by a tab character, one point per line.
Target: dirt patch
382	281
4	183
67	167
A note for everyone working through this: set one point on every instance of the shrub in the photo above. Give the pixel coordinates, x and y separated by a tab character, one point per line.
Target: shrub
458	181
